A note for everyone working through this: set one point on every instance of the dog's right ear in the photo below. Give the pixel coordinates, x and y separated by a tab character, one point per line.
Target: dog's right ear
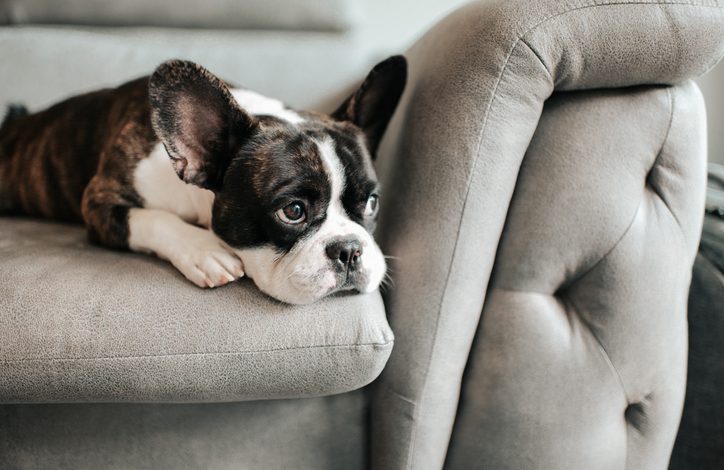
198	121
372	105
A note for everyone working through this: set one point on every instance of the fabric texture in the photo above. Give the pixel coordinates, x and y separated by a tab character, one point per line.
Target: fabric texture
325	433
478	81
82	323
318	15
580	356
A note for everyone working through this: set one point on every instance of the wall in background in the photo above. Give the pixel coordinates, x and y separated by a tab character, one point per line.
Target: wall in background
393	26
712	86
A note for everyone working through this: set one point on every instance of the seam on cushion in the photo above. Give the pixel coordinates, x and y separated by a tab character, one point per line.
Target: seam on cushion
503	70
654	188
587	324
398	395
602	349
615	245
195	354
522	291
607	358
540	59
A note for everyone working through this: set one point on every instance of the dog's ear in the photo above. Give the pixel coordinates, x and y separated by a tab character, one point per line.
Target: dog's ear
198	121
373	104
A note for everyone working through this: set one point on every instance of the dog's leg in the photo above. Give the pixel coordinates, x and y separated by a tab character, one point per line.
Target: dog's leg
198	253
117	221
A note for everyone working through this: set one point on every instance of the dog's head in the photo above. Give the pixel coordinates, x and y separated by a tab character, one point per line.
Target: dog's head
296	194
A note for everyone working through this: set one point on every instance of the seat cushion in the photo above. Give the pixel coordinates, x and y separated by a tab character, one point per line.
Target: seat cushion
82	323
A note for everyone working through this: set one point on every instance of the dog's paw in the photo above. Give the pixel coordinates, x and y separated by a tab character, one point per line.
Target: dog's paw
208	262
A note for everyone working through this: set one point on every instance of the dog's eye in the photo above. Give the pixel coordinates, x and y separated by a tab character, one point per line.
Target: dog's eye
372	205
292	214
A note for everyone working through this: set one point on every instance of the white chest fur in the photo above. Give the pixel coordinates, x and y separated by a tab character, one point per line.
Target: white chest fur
157	183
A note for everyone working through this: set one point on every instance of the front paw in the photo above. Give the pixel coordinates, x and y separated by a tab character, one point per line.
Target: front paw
210	265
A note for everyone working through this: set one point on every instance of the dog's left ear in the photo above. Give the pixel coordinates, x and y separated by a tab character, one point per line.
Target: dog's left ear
373	104
198	121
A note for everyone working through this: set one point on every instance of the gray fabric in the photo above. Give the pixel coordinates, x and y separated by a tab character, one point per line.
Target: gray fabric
477	85
44	64
580	356
81	323
320	15
303	434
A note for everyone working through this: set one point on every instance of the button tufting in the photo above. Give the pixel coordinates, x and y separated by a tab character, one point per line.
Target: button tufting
635	415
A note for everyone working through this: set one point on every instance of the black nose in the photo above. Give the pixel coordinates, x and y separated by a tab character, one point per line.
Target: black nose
345	253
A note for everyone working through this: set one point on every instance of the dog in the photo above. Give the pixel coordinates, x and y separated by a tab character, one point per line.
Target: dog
222	182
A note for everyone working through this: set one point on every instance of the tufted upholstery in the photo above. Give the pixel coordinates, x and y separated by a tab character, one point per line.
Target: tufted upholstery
477	86
580	356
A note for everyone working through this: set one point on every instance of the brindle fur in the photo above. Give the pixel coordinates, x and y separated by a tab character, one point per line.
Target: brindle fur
74	161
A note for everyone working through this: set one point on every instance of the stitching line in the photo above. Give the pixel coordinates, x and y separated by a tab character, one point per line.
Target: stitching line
223	353
416	410
654	187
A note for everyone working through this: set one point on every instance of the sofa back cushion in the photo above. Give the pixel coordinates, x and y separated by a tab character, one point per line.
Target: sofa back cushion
316	15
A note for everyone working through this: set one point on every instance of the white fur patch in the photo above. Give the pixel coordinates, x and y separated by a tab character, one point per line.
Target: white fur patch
257	104
155	180
306	273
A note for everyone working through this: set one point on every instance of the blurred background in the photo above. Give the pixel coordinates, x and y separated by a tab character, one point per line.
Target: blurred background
305	52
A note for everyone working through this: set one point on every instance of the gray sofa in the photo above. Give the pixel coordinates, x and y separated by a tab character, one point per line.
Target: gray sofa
544	192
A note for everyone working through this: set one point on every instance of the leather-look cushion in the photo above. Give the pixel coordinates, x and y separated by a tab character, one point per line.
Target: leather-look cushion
318	15
82	323
477	84
580	356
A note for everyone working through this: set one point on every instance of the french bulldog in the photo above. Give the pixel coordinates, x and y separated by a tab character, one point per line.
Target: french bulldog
220	181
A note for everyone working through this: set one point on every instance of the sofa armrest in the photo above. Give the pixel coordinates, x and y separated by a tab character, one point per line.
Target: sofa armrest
478	81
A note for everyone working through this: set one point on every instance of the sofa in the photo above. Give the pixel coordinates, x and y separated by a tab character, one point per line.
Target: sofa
543	199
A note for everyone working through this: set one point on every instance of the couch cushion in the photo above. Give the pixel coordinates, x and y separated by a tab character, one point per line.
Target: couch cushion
476	87
302	69
82	323
580	355
317	15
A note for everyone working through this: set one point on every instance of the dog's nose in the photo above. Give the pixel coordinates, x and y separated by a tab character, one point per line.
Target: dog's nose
345	253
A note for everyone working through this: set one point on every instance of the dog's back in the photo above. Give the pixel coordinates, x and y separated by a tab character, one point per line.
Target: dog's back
48	158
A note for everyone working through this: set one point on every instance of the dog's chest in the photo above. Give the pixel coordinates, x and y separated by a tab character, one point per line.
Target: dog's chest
155	180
